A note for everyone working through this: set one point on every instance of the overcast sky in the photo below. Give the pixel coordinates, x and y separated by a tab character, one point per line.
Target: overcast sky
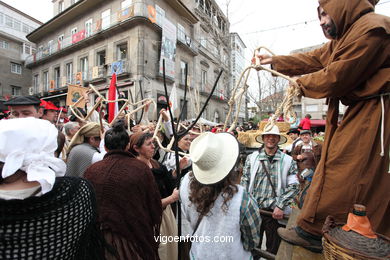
281	25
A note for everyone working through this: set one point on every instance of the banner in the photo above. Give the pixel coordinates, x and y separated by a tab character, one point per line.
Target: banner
79	78
95	72
112	95
117	67
126	13
168	49
78	36
74	93
52	86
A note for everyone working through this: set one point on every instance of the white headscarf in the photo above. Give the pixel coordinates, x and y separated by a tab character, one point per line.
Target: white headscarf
28	144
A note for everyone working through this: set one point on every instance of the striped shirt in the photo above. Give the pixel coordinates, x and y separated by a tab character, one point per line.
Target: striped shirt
262	189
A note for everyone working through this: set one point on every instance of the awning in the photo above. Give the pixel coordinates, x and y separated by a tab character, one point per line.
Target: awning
317	122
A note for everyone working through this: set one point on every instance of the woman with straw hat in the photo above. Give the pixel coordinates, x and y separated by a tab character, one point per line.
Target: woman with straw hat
224	219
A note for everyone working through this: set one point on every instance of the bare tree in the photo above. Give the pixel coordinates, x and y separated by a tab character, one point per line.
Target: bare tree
268	93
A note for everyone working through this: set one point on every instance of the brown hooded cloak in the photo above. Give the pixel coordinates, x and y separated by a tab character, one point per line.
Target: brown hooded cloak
354	68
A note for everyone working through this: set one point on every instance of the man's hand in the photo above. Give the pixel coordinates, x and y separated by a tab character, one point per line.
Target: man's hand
164	115
278	213
175	195
264	59
183	162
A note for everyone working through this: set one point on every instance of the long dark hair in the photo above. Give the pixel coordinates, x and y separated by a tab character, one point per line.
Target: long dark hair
203	196
117	137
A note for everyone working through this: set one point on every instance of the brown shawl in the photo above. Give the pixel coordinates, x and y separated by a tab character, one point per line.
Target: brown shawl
128	200
355	69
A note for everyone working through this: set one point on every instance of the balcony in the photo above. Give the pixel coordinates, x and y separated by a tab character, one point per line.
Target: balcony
97	30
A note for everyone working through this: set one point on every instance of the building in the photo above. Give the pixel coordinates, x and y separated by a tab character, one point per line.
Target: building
317	108
15	79
237	67
87	40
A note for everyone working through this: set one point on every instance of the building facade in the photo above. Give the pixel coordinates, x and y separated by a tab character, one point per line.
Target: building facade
317	108
237	67
87	40
15	79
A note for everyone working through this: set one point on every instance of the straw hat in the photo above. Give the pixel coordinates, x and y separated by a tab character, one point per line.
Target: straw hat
213	156
273	131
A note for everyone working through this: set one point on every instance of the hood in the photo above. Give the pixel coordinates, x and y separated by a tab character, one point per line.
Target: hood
345	12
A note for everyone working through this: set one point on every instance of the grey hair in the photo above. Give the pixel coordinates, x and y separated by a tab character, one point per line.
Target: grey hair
69	126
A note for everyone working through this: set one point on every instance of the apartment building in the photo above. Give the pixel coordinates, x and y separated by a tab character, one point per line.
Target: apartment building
15	79
317	108
237	67
87	40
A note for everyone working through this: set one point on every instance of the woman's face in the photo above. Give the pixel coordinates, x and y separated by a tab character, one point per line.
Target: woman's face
185	143
147	149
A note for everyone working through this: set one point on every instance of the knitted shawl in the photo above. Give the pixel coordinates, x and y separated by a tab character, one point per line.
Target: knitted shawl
60	224
128	200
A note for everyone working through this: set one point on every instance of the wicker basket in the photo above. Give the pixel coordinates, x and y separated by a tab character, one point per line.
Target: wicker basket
333	249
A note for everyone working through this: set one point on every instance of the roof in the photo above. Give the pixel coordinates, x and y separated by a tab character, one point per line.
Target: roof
20	12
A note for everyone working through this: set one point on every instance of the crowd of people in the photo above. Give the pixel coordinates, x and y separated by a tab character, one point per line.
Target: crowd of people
84	189
132	181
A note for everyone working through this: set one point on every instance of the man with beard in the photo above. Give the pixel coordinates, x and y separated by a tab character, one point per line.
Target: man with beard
353	68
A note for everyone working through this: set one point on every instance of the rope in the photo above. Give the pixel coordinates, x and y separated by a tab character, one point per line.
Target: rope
145	102
285	107
382	127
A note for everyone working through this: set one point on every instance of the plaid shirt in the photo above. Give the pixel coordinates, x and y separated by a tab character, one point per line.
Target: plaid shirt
250	221
262	189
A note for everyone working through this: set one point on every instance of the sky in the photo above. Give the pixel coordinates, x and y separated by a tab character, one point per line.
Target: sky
280	25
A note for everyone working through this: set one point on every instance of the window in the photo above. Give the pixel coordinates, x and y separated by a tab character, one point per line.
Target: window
160	15
27	48
60	41
88	28
17	25
125	4
57	77
203	80
46	81
25	28
106	15
203	42
61	6
1	18
36	83
101	58
4	45
69	72
16	91
183	65
121	51
16	68
73	31
50	46
8	21
84	67
184	111
181	33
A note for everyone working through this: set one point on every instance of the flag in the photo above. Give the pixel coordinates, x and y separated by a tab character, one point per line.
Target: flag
112	95
173	102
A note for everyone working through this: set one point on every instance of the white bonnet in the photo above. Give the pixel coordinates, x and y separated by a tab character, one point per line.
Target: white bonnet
28	144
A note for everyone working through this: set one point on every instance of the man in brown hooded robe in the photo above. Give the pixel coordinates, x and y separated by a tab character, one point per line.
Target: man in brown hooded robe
354	68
